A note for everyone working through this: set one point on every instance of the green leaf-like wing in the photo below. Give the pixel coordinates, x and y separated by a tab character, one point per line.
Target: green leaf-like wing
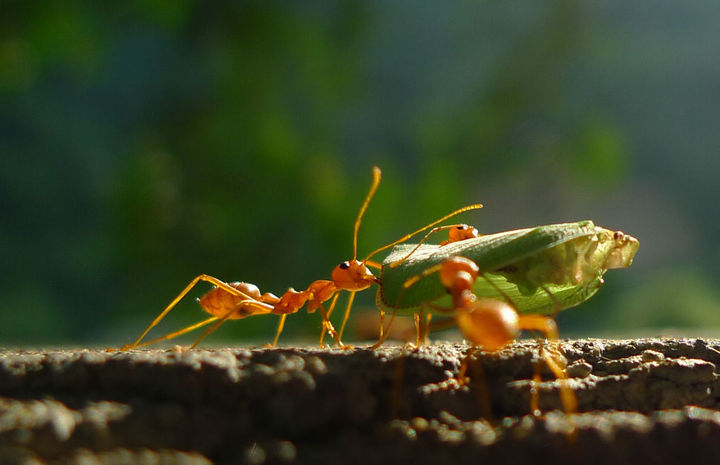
541	270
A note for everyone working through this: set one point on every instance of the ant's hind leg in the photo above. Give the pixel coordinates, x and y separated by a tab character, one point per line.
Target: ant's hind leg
174	334
174	302
326	324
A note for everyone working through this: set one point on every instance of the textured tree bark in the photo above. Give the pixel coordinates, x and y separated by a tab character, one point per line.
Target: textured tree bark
638	401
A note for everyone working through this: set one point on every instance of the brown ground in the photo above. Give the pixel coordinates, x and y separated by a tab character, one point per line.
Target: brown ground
641	401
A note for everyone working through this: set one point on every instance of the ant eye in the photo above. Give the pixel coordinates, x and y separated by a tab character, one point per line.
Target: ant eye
345	265
462	226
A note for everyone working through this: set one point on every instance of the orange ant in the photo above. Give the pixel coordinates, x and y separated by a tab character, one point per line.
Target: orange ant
490	323
239	300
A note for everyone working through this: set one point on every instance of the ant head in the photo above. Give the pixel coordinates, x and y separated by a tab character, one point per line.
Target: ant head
353	275
462	232
489	323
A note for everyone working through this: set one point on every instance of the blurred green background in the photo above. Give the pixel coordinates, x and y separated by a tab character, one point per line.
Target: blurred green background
143	143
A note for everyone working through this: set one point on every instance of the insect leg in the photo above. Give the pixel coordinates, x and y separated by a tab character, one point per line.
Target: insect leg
183	293
426	332
281	325
557	366
347	313
546	325
381	330
422	323
330	328
326	318
417	319
175	334
480	386
384	333
242	305
211	329
568	397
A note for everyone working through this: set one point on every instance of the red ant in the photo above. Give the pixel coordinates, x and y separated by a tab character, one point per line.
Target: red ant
239	300
490	323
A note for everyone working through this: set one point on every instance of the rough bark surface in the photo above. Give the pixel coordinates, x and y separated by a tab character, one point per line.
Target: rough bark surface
639	401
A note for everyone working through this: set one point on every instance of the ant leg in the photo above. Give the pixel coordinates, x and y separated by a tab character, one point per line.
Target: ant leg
419	320
330	328
183	293
242	305
568	397
482	393
546	325
326	318
557	366
462	371
426	333
280	327
347	313
381	330
384	333
416	322
536	380
172	335
211	329
478	380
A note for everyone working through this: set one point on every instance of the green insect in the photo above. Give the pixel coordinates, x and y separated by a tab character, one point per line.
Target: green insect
540	270
494	286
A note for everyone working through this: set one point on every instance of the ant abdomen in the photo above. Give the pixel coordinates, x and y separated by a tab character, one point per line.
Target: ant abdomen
219	302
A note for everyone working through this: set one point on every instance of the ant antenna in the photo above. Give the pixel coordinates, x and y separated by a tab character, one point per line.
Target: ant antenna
373	188
408	236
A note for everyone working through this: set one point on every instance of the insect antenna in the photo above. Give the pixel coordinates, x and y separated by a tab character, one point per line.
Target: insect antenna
397	263
377	174
434	223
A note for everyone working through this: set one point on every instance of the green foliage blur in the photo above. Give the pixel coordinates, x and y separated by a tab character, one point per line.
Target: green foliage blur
145	142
